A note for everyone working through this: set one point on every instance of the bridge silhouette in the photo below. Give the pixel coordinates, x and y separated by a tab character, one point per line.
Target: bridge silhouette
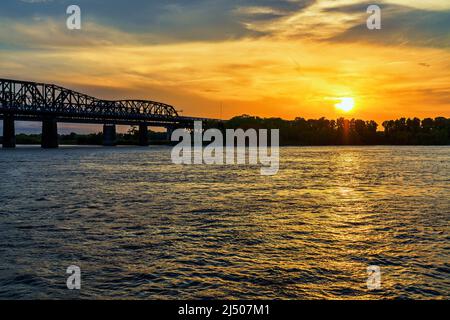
51	104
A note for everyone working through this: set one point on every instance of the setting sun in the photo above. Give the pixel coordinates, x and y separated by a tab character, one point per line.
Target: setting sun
346	104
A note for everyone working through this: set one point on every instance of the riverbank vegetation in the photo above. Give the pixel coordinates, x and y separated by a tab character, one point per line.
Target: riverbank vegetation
342	131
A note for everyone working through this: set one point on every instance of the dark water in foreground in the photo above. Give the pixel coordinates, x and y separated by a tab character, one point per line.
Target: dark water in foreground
140	227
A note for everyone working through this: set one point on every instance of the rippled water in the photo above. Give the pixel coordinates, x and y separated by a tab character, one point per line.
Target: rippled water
140	227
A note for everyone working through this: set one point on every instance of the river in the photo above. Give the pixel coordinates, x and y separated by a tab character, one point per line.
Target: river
140	227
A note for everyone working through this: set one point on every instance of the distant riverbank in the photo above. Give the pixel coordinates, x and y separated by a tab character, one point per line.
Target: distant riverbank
298	132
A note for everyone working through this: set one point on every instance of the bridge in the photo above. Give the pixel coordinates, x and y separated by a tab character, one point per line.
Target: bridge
52	104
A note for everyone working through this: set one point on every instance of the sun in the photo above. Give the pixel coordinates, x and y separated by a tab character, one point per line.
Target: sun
347	104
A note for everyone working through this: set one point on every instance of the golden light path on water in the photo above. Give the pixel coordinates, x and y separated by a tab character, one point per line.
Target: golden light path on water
141	227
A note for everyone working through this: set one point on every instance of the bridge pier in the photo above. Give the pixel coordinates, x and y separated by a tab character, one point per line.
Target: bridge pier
9	136
169	132
49	133
109	135
143	135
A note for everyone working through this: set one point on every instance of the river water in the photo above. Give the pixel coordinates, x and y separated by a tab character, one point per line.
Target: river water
141	227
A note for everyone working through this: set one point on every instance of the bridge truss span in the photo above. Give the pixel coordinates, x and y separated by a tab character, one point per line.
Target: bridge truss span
50	104
32	98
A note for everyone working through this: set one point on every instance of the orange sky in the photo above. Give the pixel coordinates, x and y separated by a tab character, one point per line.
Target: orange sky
293	70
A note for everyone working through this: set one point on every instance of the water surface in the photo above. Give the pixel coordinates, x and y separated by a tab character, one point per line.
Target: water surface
140	227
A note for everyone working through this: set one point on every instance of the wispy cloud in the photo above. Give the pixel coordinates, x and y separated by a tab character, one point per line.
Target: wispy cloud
401	25
156	22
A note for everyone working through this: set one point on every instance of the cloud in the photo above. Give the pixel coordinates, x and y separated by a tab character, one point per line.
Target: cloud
345	21
401	25
421	4
48	34
159	21
283	78
311	22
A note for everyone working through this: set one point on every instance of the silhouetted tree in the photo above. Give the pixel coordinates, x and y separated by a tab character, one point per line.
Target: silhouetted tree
350	132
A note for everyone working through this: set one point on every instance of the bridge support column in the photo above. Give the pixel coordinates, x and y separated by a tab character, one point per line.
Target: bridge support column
49	133
169	133
9	135
109	135
143	135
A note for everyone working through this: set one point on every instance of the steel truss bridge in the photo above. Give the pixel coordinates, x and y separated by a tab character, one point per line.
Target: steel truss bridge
50	104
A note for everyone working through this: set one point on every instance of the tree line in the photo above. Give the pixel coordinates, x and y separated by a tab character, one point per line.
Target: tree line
128	138
342	131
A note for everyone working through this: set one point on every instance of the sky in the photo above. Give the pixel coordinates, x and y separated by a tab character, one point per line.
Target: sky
222	58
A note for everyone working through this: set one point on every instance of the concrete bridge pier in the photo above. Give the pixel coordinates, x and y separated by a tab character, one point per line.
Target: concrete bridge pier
109	135
49	133
169	132
9	135
143	135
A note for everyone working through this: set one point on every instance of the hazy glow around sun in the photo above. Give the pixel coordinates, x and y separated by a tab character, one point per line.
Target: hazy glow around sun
346	104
